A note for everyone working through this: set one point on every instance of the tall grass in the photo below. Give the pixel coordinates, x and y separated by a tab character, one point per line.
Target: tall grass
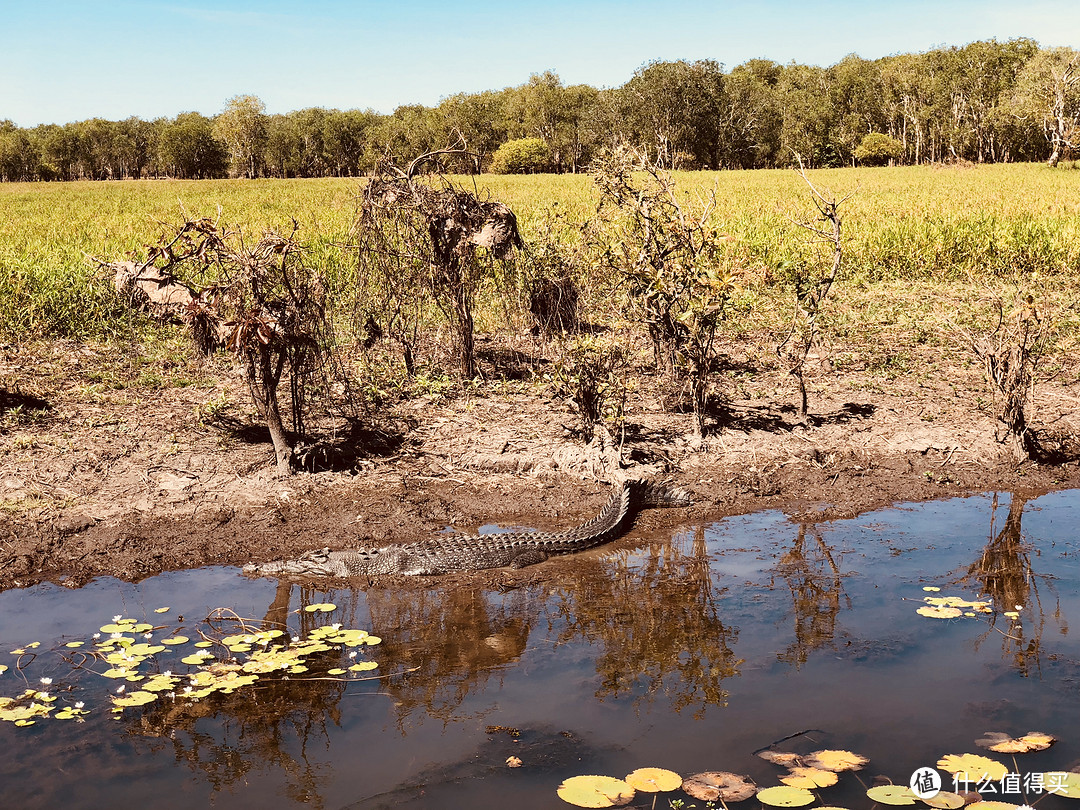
901	224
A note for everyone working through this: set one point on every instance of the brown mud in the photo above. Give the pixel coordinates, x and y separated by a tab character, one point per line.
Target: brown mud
129	481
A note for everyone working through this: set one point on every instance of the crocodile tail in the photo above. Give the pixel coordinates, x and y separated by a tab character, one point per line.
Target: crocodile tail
607	521
659	493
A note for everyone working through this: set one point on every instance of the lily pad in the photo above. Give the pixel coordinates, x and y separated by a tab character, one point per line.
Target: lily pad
712	785
785	796
934	612
892	794
320	607
974	767
835	760
785	758
943	800
139	698
595	791
1062	783
654	780
809	778
1002	743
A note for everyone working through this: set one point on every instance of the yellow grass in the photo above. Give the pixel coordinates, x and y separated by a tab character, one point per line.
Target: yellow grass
909	224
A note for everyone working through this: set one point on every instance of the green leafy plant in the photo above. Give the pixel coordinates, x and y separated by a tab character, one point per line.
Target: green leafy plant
674	262
522	156
591	375
877	149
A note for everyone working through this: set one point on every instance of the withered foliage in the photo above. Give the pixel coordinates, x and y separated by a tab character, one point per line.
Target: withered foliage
1010	355
418	242
263	303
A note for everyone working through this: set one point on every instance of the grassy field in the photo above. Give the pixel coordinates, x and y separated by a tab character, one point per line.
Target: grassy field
948	228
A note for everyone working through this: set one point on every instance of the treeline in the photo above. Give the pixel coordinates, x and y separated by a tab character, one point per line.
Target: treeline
988	101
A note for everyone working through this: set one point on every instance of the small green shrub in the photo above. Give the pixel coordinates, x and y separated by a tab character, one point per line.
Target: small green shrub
877	149
522	156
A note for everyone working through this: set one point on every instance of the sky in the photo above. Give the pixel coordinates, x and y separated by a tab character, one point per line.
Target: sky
64	61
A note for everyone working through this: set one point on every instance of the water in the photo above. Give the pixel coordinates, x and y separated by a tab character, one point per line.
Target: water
689	653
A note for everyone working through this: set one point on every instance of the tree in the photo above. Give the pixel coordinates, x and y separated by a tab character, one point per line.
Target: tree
242	127
189	150
753	117
345	137
856	98
673	111
480	119
1048	92
806	132
18	157
522	156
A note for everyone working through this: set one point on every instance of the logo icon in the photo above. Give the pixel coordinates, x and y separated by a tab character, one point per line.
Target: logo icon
925	783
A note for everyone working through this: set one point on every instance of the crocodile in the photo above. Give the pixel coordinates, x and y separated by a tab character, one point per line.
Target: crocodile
462	552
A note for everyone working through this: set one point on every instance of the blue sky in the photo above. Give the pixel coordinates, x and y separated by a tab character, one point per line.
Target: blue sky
67	61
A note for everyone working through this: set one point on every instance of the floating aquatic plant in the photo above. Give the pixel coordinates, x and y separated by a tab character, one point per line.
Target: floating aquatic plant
139	653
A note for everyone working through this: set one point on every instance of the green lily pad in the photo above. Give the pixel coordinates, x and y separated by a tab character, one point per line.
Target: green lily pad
892	794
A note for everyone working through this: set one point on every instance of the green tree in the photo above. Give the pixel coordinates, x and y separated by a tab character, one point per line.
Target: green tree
480	119
345	137
673	111
283	146
1048	93
18	156
753	117
522	156
188	149
857	101
411	131
807	129
242	127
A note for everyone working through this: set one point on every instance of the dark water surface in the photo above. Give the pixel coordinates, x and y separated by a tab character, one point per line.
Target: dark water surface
688	654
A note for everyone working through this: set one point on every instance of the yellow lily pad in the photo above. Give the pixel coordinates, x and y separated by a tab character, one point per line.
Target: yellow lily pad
138	698
162	610
810	778
892	794
654	780
974	767
320	607
595	791
1002	743
835	760
940	612
174	640
994	806
785	796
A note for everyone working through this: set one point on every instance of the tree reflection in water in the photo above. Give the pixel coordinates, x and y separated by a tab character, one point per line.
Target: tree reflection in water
451	642
268	726
1005	573
656	618
817	591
